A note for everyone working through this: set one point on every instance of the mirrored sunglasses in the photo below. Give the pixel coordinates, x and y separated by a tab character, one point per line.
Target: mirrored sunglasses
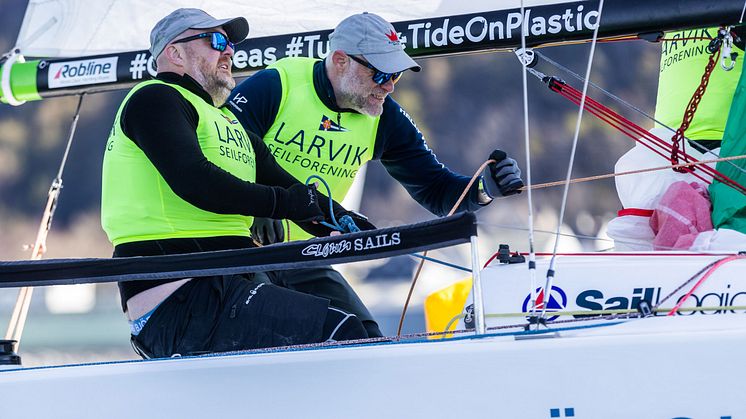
218	41
379	77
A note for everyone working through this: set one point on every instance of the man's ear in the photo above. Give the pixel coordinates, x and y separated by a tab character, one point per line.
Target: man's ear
340	60
174	55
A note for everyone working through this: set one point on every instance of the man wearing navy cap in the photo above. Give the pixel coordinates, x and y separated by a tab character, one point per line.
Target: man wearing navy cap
328	118
181	175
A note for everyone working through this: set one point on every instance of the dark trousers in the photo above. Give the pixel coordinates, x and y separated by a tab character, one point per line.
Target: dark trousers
325	282
241	312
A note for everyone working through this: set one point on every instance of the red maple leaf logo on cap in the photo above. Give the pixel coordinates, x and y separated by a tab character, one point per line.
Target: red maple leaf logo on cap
392	36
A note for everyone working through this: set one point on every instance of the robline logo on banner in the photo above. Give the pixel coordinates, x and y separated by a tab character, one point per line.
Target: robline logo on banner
82	72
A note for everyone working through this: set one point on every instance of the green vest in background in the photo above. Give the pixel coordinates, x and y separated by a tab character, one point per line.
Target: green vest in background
136	202
307	138
682	65
729	204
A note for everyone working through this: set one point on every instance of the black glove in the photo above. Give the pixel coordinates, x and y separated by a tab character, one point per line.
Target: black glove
267	231
506	174
302	203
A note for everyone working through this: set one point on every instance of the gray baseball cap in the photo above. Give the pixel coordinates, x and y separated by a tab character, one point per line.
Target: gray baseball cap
375	39
178	21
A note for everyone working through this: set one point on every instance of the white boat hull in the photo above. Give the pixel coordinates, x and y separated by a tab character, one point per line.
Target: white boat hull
662	367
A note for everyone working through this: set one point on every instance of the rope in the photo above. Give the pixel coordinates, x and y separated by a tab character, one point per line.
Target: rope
623	103
712	269
23	301
334	225
680	287
594	314
636	132
632	172
424	254
631	315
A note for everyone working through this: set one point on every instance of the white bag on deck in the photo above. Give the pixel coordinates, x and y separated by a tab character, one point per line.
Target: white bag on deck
631	232
643	191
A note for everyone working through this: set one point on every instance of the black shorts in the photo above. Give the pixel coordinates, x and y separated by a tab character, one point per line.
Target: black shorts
240	312
325	282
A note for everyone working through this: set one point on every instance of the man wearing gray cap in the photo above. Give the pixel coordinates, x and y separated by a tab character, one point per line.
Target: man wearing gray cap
181	175
329	117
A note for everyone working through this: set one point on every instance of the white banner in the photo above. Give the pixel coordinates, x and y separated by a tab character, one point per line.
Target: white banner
602	283
82	72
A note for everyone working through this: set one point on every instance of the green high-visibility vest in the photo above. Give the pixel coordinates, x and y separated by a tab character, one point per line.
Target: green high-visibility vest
136	202
682	65
307	138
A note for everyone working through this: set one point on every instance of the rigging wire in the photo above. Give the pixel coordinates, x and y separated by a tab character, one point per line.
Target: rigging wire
644	137
440	262
621	101
632	130
531	229
23	301
568	180
550	270
529	194
630	106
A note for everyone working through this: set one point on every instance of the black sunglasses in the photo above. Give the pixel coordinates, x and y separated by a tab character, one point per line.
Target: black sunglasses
218	41
379	77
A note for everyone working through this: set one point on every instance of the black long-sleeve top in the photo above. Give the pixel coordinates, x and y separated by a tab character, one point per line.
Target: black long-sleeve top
163	124
169	140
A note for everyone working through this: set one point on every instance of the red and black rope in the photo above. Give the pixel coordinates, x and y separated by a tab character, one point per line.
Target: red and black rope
637	133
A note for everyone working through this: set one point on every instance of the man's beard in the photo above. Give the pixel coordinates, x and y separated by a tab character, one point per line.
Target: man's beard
218	85
354	95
